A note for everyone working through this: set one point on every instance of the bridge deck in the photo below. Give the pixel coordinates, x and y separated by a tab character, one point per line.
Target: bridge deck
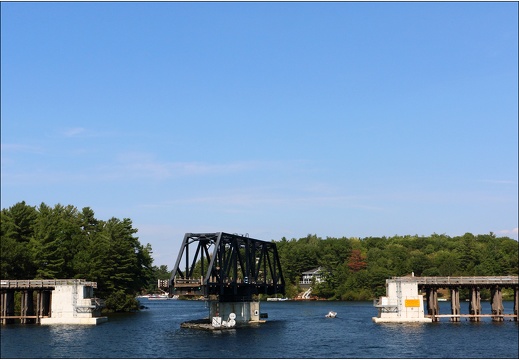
472	316
462	280
41	284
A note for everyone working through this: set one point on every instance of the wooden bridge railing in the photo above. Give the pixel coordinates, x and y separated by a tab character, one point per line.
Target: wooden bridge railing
36	284
461	280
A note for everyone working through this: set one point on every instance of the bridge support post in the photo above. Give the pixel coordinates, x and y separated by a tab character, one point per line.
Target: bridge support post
38	305
43	304
475	303
455	304
48	303
496	302
7	306
23	307
432	303
27	308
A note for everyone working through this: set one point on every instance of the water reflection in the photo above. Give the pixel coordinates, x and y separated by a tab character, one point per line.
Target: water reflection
67	339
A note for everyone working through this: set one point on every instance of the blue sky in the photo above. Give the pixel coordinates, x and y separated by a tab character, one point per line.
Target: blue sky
268	119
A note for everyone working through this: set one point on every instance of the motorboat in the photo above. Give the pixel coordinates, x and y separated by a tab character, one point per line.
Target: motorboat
331	314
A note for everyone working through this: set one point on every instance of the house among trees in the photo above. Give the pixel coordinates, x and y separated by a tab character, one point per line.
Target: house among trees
306	279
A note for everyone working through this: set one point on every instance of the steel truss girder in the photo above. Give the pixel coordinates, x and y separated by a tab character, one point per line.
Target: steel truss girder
230	266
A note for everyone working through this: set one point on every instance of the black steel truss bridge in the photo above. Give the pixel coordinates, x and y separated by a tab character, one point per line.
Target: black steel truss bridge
229	266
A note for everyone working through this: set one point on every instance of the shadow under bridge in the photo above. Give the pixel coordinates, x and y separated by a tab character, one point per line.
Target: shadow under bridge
229	266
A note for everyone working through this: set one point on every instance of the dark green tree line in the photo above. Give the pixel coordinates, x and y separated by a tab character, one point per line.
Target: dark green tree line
62	242
356	269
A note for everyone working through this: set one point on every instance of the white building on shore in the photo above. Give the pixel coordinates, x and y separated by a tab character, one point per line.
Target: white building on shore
310	275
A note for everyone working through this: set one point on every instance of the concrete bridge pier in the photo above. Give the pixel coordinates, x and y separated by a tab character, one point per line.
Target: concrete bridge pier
72	301
27	306
496	302
455	304
475	303
245	311
432	303
7	306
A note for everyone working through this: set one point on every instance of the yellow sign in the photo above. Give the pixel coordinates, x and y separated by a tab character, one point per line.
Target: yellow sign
412	303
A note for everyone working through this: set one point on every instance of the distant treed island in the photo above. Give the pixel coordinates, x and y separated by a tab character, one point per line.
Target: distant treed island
62	242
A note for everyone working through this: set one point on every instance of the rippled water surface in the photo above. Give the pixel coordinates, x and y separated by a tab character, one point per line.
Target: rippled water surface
293	330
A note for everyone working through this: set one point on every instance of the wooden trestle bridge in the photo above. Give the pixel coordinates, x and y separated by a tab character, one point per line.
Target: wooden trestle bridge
431	285
34	309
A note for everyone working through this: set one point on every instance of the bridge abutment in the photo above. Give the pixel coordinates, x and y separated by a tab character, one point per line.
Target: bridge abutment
404	304
58	301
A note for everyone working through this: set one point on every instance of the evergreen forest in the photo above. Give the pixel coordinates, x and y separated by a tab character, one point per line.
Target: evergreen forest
62	242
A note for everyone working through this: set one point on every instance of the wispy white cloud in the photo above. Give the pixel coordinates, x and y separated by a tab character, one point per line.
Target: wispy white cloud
129	167
512	233
42	176
251	198
71	132
505	182
146	166
21	148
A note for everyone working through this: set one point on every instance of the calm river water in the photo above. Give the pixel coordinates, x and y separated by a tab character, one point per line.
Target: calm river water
293	330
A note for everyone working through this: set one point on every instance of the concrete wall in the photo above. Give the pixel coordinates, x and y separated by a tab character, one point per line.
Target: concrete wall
245	311
402	303
72	304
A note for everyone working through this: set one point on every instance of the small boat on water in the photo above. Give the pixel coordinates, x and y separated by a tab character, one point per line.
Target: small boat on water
331	314
162	297
277	299
158	296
